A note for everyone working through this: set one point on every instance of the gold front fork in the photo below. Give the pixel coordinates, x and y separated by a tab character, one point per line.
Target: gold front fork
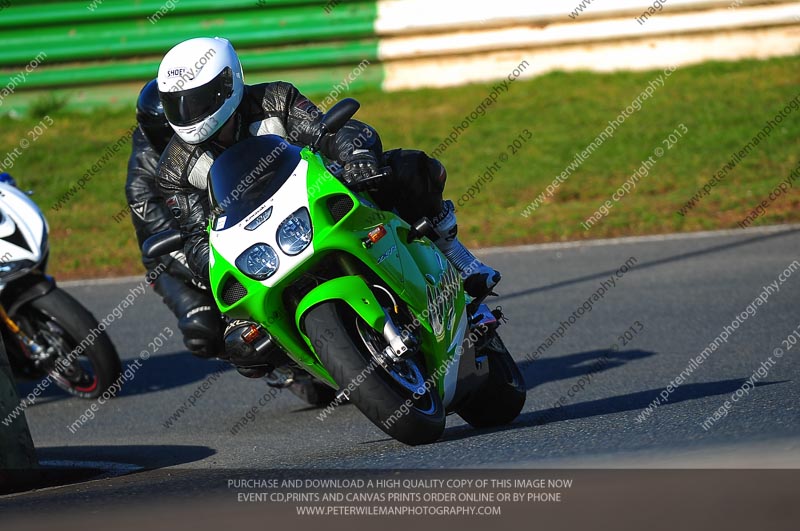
31	345
9	322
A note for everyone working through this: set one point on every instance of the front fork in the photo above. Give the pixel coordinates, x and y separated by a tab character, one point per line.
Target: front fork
33	350
43	357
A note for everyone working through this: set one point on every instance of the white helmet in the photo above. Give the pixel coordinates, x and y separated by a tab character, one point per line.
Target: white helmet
200	84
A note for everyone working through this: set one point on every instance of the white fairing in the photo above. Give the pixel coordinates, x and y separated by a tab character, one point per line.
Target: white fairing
22	229
233	241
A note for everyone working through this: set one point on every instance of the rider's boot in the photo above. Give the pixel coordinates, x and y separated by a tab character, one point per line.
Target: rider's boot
240	353
479	279
244	358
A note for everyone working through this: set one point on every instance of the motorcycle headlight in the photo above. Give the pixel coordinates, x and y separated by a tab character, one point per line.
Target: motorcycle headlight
295	232
258	262
13	269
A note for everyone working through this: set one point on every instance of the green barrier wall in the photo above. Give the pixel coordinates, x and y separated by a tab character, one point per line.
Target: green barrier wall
92	52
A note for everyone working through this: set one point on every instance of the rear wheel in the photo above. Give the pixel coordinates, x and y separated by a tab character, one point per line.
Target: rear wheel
58	322
501	398
394	397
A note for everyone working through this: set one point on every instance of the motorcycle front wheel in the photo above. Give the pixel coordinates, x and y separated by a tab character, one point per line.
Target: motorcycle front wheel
57	321
394	398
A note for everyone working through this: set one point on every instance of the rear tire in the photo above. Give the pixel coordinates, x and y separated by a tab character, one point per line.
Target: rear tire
502	397
56	319
379	396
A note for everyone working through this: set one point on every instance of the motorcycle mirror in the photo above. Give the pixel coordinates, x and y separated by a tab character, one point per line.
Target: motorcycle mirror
162	243
336	117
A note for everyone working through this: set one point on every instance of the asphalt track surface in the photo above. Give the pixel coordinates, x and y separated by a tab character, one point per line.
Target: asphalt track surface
678	296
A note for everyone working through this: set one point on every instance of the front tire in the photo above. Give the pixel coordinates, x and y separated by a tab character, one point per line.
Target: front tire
381	397
502	397
56	320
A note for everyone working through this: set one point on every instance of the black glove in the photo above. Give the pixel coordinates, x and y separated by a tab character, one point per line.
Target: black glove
360	167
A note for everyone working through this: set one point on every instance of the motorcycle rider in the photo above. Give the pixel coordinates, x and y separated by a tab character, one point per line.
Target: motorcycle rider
198	317
201	85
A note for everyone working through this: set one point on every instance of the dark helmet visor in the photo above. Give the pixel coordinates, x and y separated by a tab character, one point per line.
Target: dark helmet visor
188	107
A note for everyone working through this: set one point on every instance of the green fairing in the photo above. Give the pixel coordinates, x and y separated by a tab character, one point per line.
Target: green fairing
353	291
403	268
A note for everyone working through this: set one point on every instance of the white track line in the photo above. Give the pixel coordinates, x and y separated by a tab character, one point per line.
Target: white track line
768	229
100	281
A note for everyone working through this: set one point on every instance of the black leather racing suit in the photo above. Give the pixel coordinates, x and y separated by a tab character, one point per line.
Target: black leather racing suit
279	108
198	317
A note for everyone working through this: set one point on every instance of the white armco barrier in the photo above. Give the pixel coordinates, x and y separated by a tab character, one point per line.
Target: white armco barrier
412	16
441	43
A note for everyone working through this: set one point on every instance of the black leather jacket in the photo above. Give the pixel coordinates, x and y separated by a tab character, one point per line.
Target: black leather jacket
268	108
149	213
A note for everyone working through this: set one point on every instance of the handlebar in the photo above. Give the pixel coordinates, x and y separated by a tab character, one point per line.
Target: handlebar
373	182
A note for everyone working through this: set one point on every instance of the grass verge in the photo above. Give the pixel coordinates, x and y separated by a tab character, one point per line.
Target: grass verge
722	106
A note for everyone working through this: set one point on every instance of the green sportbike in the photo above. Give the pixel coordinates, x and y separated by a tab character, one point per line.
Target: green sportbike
335	287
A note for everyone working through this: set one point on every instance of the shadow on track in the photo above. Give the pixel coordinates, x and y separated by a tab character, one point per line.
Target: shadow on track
553	369
68	465
607	406
147	456
172	370
631	402
639	266
160	372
